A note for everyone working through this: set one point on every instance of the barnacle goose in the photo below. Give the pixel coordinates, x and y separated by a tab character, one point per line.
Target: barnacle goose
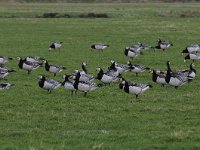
190	73
55	45
68	83
192	56
163	45
132	52
48	84
4	71
27	65
53	68
4	59
137	68
191	48
106	78
142	46
5	86
159	77
99	46
134	88
34	59
119	67
84	86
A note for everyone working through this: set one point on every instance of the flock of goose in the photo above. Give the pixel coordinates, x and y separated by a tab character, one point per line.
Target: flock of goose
81	80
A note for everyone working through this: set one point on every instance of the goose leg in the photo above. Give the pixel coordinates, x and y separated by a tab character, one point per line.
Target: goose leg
85	93
49	91
29	72
136	74
136	95
54	74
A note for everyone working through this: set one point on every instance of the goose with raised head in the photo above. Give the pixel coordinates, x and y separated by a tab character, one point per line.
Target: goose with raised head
68	83
119	67
159	77
53	68
48	84
27	65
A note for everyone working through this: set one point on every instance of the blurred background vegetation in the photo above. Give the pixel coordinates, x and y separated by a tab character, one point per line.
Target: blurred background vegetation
93	1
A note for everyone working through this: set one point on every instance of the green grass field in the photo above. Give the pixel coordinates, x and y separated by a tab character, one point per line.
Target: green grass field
107	118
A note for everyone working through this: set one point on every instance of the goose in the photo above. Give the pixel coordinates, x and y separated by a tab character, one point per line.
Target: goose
55	45
34	59
142	46
53	68
175	80
163	45
112	70
83	76
99	46
106	78
68	84
27	65
84	86
48	84
4	59
5	86
132	52
190	73
4	71
84	69
119	67
159	77
191	48
192	56
134	88
137	68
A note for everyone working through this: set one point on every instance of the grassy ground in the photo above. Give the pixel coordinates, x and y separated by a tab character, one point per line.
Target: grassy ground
161	118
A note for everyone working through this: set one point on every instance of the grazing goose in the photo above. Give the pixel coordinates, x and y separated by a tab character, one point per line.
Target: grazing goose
134	88
34	59
4	59
137	68
132	52
106	78
5	86
68	84
99	46
192	56
159	77
142	46
84	86
48	84
163	45
119	67
191	48
55	45
53	68
27	65
4	71
175	80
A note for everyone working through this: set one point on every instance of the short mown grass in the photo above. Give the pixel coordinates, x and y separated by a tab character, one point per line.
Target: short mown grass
107	118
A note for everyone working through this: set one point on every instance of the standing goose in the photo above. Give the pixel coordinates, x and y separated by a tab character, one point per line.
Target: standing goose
119	67
84	86
34	59
55	45
137	68
163	45
27	65
190	73
48	84
159	77
106	78
193	48
53	68
132	52
99	46
192	56
5	86
68	84
4	59
134	88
